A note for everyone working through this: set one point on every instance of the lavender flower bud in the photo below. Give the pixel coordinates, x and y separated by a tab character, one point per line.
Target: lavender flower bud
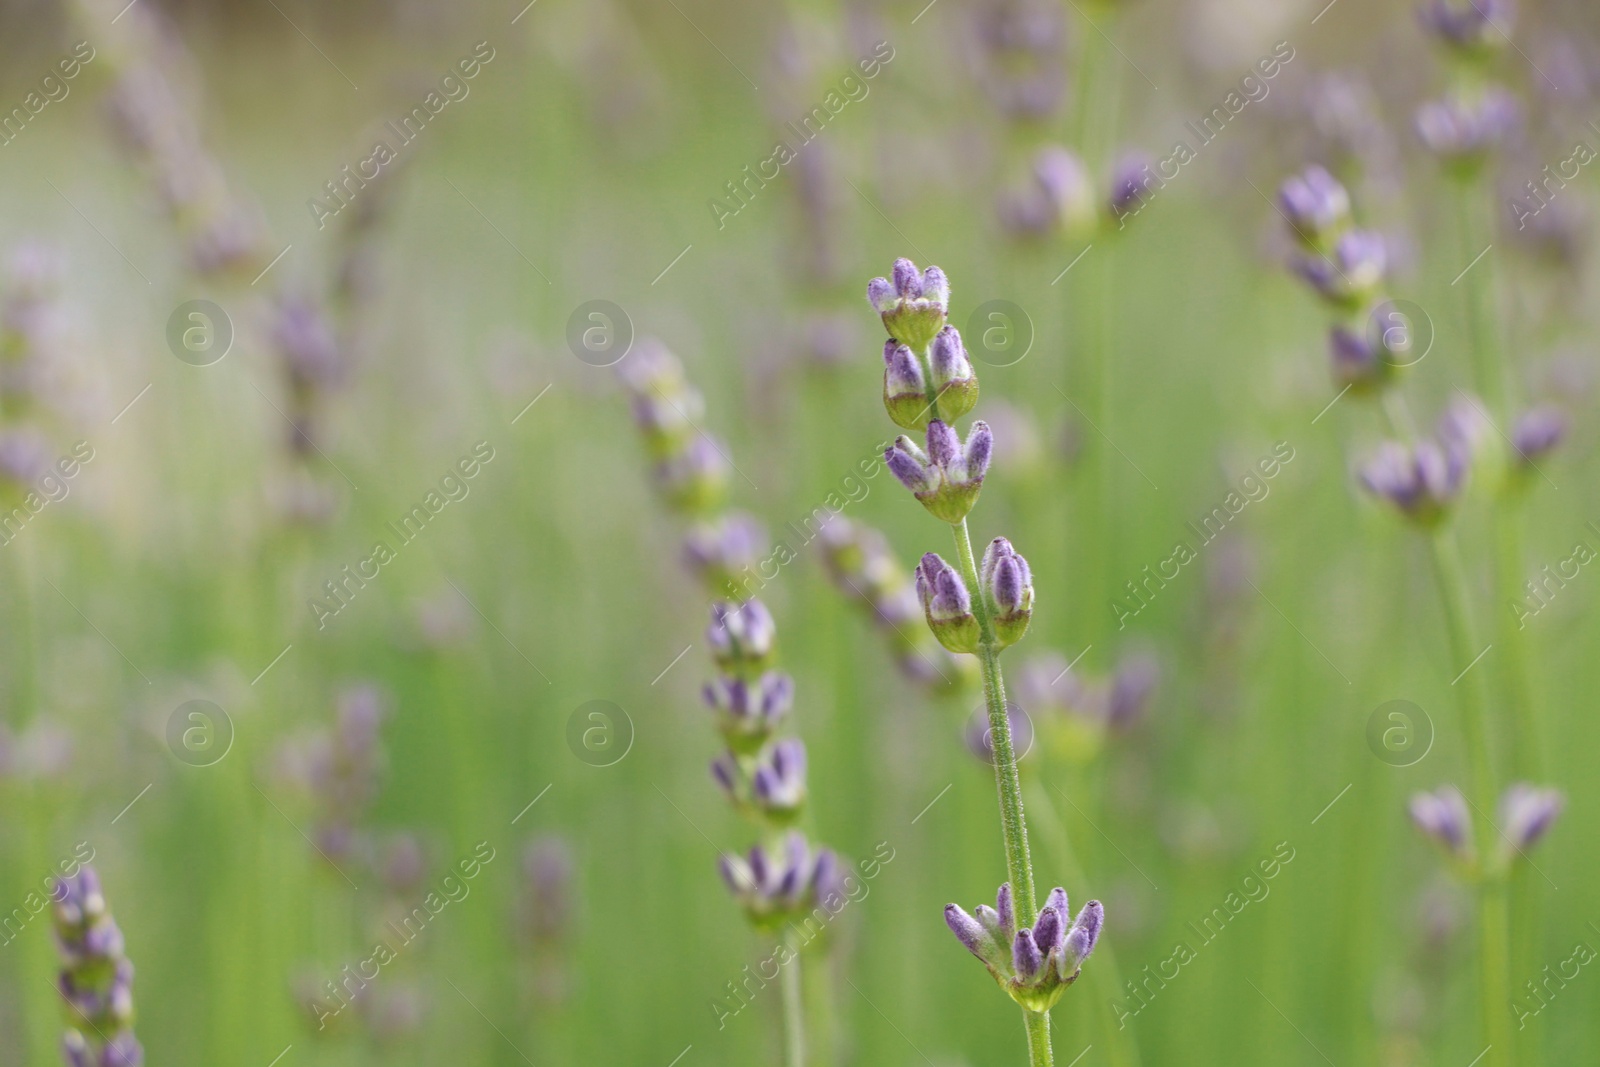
1350	273
1131	690
774	887
1443	816
947	604
1357	363
913	306
1477	29
695	480
1423	481
748	712
948	477
1317	206
905	391
1462	131
1033	965
1526	812
778	782
1067	188
1007	585
96	979
1536	434
954	382
742	637
1130	185
718	550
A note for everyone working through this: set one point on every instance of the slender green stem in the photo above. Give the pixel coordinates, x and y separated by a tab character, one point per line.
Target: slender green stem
1014	828
1493	912
794	1013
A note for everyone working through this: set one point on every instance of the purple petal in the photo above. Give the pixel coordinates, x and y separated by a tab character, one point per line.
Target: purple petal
967	929
1025	956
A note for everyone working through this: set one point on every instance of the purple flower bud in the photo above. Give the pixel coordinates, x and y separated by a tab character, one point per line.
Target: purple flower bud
1537	432
979	448
1026	959
741	636
1526	812
902	371
725	772
907	462
1050	932
1130	185
1317	206
1131	689
1356	362
948	357
1007	589
748	712
1005	910
778	783
1443	816
1462	130
881	295
947	603
1422	481
943	444
1067	187
907	280
970	932
1080	942
1350	272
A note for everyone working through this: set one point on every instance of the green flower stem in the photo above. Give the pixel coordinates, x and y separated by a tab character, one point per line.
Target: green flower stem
1014	828
794	1013
1493	911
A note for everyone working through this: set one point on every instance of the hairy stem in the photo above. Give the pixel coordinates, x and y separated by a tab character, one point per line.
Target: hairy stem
1014	828
794	1013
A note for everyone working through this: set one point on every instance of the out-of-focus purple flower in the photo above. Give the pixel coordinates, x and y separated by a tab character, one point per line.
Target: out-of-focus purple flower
305	340
1316	205
1443	816
742	637
1060	198
1350	272
1131	183
1463	130
980	738
1471	27
720	549
1034	965
1537	432
1423	481
96	979
778	780
695	479
1132	687
774	886
1021	61
547	900
1526	812
748	712
1465	428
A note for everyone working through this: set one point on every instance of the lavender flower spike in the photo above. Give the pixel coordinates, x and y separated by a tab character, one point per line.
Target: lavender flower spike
913	305
96	978
1443	816
748	712
1526	812
1350	272
1007	591
1423	482
1473	28
948	476
1034	965
947	603
783	883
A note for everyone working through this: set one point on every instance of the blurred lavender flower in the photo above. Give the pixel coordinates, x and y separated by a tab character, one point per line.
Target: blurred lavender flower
1021	56
742	637
1469	27
979	735
1423	480
665	406
695	480
1316	205
1462	131
1536	433
1130	185
786	882
747	713
1526	813
949	475
719	549
1443	816
1060	198
547	901
1034	965
1133	685
1350	272
778	781
96	978
1464	428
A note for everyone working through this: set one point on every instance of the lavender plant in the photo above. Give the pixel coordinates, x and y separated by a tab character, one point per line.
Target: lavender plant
1424	480
96	980
979	609
782	879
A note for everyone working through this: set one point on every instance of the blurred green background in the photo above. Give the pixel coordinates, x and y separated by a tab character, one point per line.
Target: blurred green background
578	167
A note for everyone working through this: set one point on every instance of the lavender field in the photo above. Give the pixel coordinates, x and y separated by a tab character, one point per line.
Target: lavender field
828	533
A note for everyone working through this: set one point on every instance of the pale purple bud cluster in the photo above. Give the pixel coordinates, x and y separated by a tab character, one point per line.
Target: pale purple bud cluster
1316	205
1034	965
695	479
1526	812
1443	816
547	898
313	365
784	883
862	565
1350	272
772	782
1007	585
341	769
1060	198
742	637
1422	480
1021	45
913	304
1130	185
96	979
1464	130
1470	27
1356	361
691	468
1464	427
719	549
1537	433
948	476
747	713
947	604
